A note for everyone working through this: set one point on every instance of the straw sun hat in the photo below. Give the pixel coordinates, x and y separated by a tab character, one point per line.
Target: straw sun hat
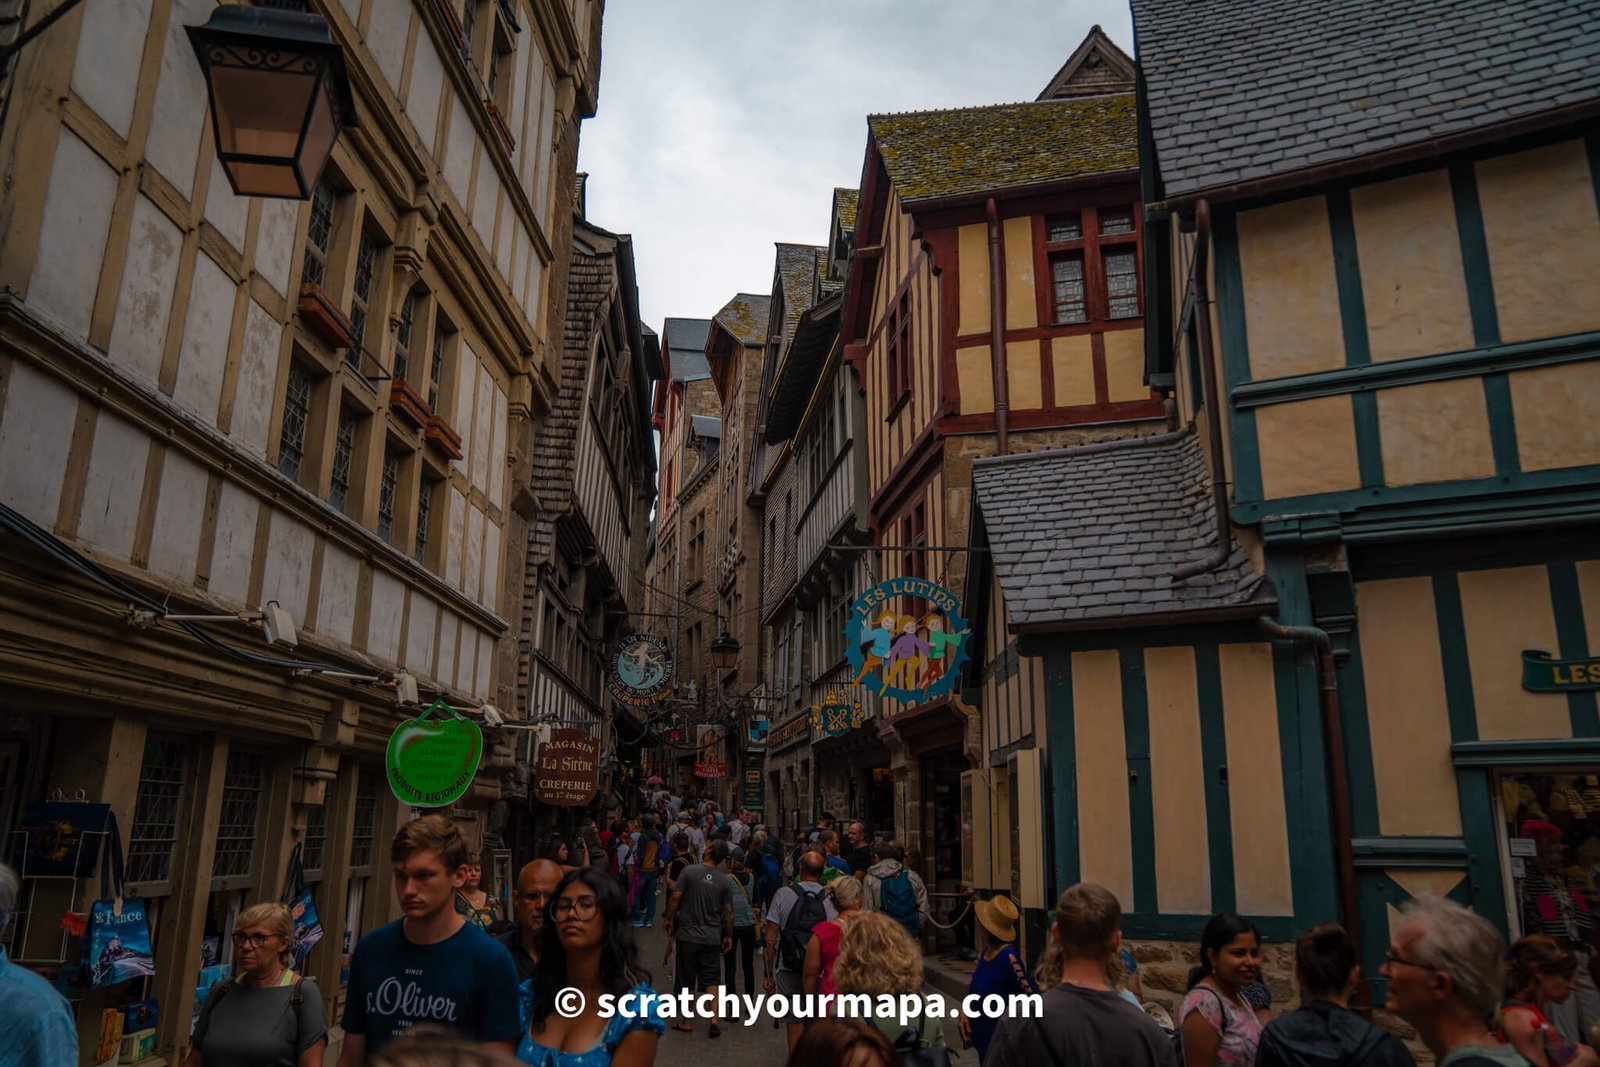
998	916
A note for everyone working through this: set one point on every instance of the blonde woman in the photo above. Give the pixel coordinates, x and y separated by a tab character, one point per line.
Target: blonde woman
823	950
474	902
877	956
266	1015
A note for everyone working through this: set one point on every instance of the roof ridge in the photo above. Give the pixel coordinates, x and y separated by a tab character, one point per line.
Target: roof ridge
985	107
1122	444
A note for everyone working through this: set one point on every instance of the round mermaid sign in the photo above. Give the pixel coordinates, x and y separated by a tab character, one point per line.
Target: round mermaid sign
906	639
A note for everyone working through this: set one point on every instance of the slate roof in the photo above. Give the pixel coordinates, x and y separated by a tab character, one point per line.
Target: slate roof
847	202
686	348
708	426
936	154
1091	535
1241	90
745	317
797	275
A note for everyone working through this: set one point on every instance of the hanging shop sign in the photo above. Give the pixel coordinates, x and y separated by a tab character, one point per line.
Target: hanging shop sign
906	639
1542	673
433	758
799	726
641	669
568	772
753	791
837	715
711	770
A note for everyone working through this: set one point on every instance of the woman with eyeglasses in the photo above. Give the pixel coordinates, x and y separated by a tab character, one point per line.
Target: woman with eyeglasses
586	945
1539	971
266	1015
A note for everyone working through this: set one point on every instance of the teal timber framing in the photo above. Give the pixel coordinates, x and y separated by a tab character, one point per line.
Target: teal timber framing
1304	777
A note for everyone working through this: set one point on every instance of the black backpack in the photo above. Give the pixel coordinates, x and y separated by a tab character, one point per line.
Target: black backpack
809	910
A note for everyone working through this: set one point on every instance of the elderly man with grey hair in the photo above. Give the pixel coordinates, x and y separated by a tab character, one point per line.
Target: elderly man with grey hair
1446	975
35	1023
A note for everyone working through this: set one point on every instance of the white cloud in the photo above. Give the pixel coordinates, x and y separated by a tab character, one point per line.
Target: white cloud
724	125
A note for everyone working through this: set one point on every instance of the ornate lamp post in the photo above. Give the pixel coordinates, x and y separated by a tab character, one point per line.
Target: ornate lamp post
279	95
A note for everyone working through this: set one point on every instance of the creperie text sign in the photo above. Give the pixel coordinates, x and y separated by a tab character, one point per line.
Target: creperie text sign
568	774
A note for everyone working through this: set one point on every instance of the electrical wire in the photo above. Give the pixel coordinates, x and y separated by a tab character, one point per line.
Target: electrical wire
75	561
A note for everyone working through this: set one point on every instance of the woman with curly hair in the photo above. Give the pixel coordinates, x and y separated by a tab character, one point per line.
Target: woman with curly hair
842	1043
1539	970
587	945
878	957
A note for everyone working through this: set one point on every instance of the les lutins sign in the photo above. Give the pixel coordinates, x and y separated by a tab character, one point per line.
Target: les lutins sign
433	758
1542	673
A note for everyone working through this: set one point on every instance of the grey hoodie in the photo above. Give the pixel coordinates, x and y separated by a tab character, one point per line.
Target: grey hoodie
882	871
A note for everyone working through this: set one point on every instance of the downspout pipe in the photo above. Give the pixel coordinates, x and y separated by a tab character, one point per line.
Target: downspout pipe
997	327
1333	746
1208	383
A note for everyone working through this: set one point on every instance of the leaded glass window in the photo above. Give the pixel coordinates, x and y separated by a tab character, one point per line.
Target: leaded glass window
315	845
154	835
436	367
296	413
1066	271
469	18
402	336
320	232
242	785
1065	227
361	300
1115	220
424	509
1122	284
365	817
386	491
344	447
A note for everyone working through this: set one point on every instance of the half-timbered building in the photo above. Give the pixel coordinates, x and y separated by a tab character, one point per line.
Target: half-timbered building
994	305
1342	657
210	404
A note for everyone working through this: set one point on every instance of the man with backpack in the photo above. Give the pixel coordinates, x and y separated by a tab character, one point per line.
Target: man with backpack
795	910
648	863
894	889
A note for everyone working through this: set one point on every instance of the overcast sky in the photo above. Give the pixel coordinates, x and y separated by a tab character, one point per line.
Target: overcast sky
724	125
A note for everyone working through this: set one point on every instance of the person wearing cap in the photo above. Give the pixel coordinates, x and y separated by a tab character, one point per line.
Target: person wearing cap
697	837
1000	968
744	922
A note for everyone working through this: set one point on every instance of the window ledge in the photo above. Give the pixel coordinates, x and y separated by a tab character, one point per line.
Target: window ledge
900	402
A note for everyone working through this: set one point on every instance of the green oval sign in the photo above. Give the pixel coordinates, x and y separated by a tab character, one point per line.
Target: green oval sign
431	762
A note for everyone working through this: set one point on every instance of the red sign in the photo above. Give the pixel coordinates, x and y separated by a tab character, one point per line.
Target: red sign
711	770
568	774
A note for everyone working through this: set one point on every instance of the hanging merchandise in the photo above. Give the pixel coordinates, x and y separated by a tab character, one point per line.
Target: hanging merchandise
61	840
303	909
433	758
907	640
116	944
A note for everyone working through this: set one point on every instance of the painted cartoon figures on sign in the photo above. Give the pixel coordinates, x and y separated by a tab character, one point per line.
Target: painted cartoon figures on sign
902	654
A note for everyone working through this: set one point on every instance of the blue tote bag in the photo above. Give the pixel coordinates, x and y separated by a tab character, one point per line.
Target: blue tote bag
303	907
116	942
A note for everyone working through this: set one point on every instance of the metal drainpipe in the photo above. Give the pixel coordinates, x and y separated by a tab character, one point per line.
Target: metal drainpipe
1208	381
1338	784
997	327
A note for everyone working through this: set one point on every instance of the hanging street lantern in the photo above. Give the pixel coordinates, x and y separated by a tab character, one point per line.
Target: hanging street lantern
724	650
279	95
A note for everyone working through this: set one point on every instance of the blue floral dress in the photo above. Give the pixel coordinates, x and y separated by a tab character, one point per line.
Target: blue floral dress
647	1017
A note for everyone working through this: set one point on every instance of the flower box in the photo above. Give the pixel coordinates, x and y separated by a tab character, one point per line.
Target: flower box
502	127
324	317
404	402
441	436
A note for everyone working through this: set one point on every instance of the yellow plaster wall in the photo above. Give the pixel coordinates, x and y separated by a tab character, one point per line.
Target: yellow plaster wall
1589	593
1406	709
1557	413
1105	840
973	246
1425	882
1291	302
1435	432
1506	611
1177	775
1022	300
1308	446
1412	282
1255	784
975	379
1125	366
1072	361
1024	375
1543	232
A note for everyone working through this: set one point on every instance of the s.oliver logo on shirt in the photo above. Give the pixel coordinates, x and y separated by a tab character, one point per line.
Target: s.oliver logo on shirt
408	1000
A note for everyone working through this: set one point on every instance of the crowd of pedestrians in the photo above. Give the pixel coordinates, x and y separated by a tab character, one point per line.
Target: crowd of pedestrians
454	983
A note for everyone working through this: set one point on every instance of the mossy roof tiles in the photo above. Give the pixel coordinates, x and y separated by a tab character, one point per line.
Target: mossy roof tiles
847	202
930	155
745	317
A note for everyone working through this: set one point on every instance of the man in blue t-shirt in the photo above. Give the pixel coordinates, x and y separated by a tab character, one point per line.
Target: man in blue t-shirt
431	967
